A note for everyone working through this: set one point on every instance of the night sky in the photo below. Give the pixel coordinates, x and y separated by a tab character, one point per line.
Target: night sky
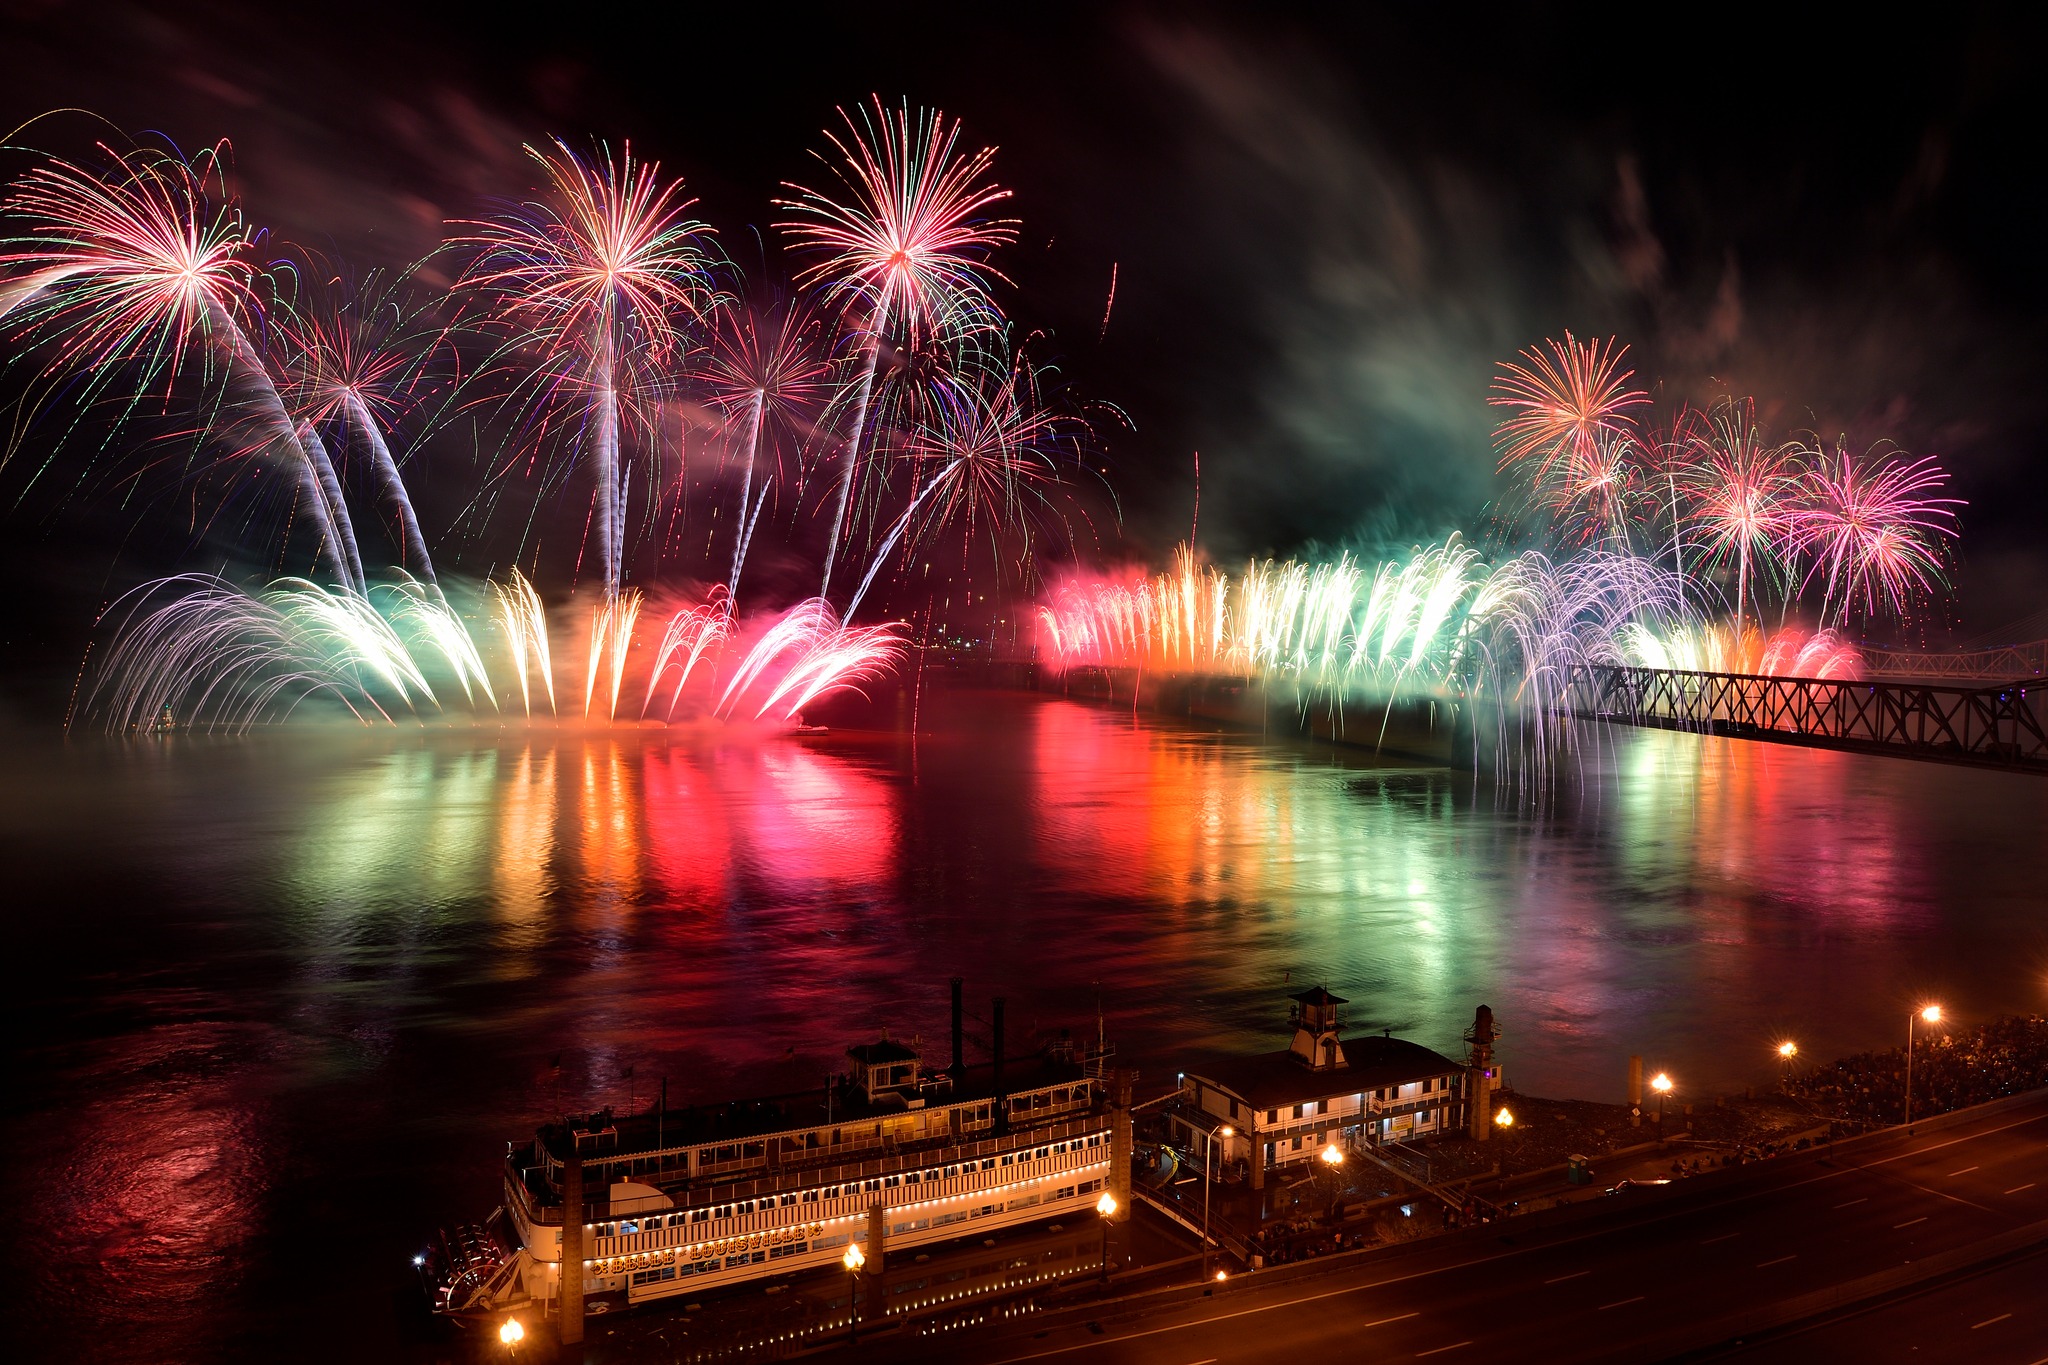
1325	230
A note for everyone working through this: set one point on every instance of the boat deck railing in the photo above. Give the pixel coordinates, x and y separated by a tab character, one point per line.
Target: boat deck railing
792	1178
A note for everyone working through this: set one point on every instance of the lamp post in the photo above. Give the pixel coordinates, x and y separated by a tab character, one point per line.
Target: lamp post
1209	1185
1504	1119
1333	1159
1660	1083
511	1334
1106	1206
1787	1050
1932	1014
853	1260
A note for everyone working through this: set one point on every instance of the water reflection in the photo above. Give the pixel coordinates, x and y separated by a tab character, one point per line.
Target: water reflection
314	965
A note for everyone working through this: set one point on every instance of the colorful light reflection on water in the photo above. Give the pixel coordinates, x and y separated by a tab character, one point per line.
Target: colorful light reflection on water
285	996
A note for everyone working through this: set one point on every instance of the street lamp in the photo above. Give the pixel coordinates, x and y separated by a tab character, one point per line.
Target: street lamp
1932	1014
1106	1206
1208	1185
511	1334
1333	1157
853	1260
1660	1083
1787	1050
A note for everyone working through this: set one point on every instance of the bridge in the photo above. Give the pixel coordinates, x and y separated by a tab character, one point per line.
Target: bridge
2003	725
2000	665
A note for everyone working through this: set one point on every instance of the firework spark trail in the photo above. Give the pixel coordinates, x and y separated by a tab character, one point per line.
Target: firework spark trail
351	358
1715	647
988	447
611	638
767	366
796	628
689	636
907	244
833	660
423	610
596	280
329	487
524	620
227	660
416	559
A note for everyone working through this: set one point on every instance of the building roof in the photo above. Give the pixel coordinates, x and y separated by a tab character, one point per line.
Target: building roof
1319	996
871	1054
1273	1079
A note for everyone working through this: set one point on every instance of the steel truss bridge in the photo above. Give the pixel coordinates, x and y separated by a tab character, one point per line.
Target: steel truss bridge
1977	665
2003	725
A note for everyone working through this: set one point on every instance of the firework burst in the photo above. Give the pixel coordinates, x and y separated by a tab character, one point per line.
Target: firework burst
594	281
1873	529
904	241
127	274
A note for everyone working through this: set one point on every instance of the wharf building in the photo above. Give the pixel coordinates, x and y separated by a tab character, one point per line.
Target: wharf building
1285	1107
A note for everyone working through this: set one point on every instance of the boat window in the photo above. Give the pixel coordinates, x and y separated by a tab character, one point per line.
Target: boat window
788	1199
913	1178
627	1229
989	1163
952	1171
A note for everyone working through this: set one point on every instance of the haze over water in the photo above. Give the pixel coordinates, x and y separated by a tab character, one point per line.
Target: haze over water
280	1000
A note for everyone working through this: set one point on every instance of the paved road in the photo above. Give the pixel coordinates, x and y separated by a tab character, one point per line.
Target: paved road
1640	1278
1998	1315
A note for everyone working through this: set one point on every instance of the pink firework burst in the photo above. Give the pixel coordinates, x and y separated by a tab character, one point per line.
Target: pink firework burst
1742	494
907	233
595	279
1874	529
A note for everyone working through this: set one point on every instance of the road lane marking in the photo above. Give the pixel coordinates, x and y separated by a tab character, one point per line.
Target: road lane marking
1766	1265
1441	1349
1620	1303
1909	1222
1466	1265
1988	1321
1965	1171
1576	1274
1864	1200
1722	1238
1384	1321
2017	1188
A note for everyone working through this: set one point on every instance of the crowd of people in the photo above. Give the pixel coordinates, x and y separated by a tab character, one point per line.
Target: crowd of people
1950	1071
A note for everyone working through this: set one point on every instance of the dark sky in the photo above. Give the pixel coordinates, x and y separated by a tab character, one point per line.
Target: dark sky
1325	229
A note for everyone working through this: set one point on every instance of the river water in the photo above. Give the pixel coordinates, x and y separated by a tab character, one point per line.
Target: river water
277	1002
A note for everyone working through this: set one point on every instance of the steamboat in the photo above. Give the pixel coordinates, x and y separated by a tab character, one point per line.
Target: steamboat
890	1154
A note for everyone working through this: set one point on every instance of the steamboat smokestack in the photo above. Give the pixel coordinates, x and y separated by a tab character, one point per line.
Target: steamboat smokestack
959	1062
1002	1098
